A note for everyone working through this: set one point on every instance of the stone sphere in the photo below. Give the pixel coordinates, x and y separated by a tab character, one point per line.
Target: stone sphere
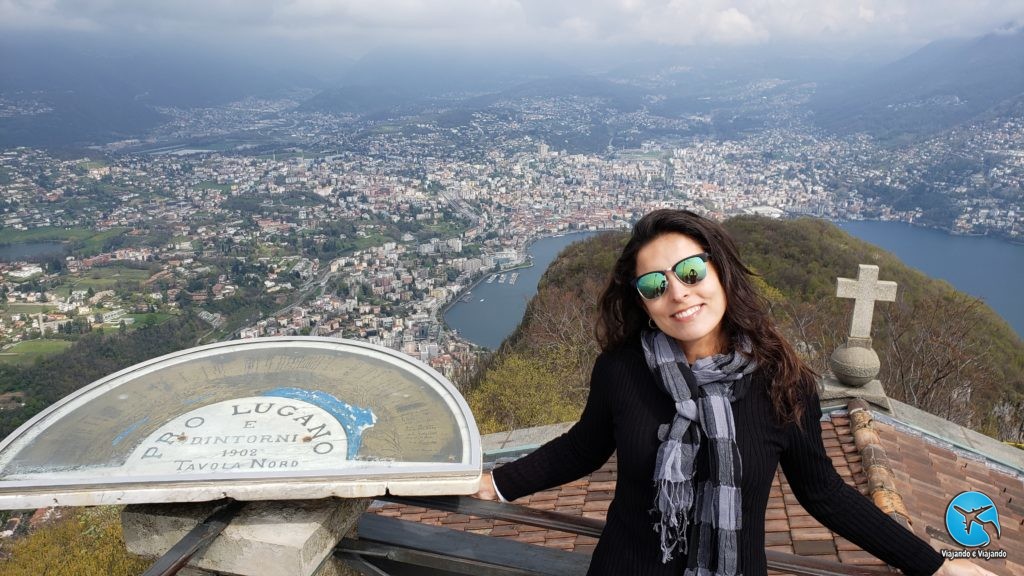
855	366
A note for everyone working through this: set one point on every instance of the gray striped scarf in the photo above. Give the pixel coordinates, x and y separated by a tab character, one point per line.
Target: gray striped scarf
714	506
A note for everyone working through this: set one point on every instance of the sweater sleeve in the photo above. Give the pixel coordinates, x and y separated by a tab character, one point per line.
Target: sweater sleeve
579	451
842	508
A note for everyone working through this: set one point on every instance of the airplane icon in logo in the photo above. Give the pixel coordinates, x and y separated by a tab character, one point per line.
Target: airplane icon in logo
965	511
973	517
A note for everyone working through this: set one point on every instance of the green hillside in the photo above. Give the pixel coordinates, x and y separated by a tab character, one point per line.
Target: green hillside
941	350
83	542
48	378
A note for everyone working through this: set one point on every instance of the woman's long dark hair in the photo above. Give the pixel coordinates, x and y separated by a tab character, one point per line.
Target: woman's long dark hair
622	315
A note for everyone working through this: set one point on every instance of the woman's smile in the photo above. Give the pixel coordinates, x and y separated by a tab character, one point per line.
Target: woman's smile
688	313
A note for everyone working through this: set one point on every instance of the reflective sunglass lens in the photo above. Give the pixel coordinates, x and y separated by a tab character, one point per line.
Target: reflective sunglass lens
691	270
651	285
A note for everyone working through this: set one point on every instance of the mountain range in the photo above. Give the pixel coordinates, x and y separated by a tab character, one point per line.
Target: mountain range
939	86
67	93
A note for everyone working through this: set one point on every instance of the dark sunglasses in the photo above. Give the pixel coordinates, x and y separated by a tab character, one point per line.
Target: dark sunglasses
689	270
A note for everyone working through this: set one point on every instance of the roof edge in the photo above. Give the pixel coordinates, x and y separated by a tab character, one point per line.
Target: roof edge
959	438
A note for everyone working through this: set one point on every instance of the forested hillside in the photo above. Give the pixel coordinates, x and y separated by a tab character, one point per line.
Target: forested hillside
93	356
941	350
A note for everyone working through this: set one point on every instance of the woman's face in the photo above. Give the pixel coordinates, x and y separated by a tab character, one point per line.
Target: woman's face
692	314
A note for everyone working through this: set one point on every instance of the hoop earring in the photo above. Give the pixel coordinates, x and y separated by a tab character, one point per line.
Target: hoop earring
651	324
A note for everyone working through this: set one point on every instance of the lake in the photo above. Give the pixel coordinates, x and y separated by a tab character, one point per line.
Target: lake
985	267
30	251
495	309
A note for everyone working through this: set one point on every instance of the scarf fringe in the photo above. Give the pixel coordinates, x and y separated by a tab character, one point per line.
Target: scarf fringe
671	503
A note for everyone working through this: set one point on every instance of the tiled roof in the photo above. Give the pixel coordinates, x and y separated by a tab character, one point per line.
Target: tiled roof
930	473
926	472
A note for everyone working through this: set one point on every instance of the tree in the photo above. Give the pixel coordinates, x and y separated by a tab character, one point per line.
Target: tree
814	328
55	265
522	391
1005	418
932	360
560	326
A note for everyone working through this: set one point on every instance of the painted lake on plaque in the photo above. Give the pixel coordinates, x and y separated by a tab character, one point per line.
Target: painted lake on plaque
985	267
493	308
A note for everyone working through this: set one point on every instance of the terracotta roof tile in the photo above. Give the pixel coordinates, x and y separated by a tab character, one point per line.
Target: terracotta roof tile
778	538
588	497
858	557
822	547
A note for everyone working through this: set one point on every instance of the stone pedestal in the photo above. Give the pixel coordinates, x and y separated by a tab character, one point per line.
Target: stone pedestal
835	394
854	368
287	538
855	363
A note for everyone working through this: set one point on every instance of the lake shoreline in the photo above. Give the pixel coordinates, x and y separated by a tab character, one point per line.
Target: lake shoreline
946	231
532	263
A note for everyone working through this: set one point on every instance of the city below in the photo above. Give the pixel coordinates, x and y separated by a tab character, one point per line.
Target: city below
268	218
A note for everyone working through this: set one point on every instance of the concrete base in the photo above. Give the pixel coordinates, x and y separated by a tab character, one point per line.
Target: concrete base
835	394
331	567
289	538
334	567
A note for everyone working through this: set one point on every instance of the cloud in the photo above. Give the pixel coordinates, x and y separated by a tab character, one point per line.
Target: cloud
41	14
734	27
866	13
369	23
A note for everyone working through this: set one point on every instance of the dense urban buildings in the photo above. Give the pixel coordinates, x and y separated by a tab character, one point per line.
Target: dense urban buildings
294	222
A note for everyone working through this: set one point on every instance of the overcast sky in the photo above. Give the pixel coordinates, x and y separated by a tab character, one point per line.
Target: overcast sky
353	27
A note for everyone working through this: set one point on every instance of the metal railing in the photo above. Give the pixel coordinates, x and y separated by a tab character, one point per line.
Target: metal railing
780	561
359	552
196	540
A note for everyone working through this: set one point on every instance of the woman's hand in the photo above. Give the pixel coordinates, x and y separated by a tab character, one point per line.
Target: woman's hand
962	567
486	490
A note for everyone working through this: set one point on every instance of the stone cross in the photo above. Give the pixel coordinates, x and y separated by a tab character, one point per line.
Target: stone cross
865	291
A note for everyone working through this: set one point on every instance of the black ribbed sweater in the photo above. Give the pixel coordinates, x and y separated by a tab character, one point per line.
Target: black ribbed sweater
622	414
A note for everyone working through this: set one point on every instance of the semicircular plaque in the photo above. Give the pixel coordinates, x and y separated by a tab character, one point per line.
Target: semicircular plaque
264	419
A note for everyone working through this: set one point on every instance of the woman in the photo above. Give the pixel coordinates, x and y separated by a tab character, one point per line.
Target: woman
702	398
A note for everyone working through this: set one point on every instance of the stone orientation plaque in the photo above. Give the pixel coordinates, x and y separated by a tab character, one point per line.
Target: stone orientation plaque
263	419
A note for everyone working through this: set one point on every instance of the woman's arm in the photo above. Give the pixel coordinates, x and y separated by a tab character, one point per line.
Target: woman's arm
842	508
